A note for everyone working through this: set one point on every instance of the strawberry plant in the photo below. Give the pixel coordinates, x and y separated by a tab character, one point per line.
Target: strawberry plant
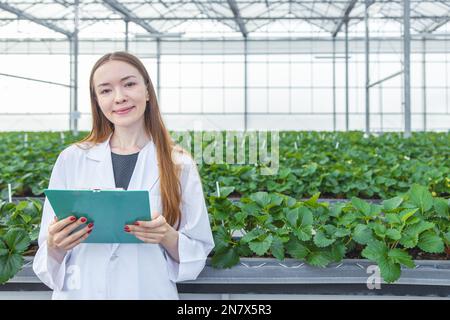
19	226
336	164
317	233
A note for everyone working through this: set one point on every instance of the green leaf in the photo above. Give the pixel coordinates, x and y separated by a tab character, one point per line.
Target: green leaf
3	248
30	209
393	218
313	200
430	242
277	248
261	198
421	197
392	203
21	205
221	238
409	239
240	217
260	247
399	256
375	210
305	216
275	200
225	258
420	227
375	251
336	209
394	234
361	206
26	218
10	264
341	232
226	191
390	271
34	235
362	234
296	249
292	216
250	236
348	218
321	240
441	207
337	252
17	240
304	233
318	259
406	214
380	229
447	236
329	229
251	209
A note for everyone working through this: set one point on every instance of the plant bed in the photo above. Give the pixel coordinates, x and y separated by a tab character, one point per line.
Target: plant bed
269	276
393	234
338	164
232	198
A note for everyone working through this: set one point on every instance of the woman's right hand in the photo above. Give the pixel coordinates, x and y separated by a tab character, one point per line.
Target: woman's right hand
59	236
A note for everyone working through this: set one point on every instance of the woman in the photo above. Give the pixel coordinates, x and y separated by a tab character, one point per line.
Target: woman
128	147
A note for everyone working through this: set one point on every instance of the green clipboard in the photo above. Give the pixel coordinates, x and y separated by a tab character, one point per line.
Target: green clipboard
109	210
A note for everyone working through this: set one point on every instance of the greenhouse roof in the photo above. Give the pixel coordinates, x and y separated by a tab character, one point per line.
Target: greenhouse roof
217	19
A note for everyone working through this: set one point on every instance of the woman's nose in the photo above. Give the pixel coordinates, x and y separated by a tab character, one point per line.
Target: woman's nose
120	97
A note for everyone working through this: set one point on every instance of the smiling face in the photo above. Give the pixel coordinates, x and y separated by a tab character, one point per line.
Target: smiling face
121	93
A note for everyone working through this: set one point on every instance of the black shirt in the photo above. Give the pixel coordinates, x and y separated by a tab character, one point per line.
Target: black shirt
123	167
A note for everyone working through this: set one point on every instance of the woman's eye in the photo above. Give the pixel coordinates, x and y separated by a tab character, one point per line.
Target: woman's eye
104	91
129	84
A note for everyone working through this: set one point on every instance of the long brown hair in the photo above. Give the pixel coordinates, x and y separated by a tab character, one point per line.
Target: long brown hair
168	170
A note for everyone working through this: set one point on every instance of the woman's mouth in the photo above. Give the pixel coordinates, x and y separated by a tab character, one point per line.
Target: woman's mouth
123	110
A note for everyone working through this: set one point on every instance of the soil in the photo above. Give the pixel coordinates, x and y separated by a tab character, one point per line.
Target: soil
420	255
31	252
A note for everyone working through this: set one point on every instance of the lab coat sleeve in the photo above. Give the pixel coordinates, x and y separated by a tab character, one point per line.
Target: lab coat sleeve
49	266
195	236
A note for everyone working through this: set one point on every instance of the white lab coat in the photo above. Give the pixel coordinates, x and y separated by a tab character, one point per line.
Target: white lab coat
124	271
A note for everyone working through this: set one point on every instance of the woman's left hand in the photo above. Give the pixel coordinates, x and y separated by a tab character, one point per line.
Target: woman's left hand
155	231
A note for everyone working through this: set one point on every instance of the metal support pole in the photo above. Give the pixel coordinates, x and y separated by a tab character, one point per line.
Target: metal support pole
158	67
71	82
346	78
424	83
126	35
380	97
334	83
245	83
367	51
73	117
407	70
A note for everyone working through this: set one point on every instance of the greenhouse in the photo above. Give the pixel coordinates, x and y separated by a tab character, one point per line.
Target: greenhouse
244	149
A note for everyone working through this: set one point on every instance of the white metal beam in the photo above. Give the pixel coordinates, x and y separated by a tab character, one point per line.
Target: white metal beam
237	16
347	11
129	15
34	19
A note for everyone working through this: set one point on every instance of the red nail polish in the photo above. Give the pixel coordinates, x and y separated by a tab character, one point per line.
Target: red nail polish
89	231
83	220
73	218
136	223
127	229
90	225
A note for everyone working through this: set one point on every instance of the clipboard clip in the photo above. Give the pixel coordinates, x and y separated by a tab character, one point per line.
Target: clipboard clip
99	189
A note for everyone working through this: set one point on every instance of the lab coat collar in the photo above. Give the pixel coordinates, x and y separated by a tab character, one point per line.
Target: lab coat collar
101	150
